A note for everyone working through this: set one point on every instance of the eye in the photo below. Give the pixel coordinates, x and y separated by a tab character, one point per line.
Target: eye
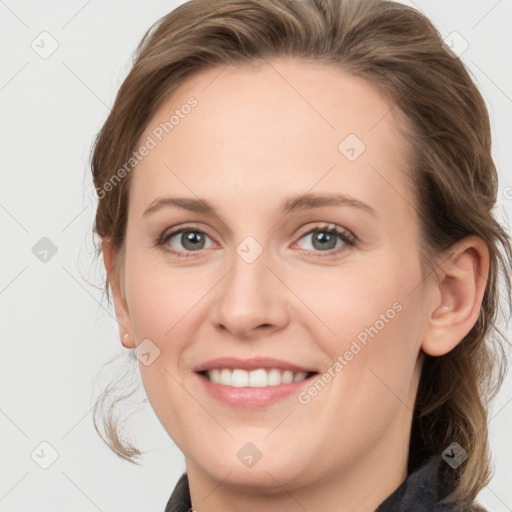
325	239
189	238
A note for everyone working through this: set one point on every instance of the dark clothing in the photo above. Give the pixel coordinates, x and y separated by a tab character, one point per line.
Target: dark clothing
423	491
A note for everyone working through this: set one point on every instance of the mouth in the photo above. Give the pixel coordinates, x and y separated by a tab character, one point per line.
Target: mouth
252	383
258	378
253	390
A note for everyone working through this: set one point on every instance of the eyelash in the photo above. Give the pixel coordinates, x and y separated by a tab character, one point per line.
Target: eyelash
346	237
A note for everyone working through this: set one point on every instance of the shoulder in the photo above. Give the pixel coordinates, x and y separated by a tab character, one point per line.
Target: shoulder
428	488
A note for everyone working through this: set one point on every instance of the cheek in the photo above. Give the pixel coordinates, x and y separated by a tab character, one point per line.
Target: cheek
154	308
161	312
361	302
159	297
376	326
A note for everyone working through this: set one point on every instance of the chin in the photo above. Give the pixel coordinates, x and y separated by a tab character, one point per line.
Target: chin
255	470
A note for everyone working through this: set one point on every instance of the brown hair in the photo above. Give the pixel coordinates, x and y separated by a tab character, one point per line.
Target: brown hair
398	50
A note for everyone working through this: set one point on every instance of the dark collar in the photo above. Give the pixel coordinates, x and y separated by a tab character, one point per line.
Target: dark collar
180	497
424	490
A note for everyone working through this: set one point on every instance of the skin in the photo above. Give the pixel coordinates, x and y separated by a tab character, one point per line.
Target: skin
261	133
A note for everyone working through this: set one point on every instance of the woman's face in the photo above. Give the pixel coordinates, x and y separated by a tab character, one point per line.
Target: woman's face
262	274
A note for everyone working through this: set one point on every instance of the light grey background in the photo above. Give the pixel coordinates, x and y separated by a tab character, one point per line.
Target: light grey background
55	334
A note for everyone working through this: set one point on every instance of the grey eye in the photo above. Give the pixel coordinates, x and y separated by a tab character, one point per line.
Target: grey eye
191	240
323	239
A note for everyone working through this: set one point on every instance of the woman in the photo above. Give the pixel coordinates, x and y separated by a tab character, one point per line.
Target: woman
295	213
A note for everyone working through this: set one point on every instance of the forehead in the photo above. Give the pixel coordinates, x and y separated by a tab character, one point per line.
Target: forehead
271	129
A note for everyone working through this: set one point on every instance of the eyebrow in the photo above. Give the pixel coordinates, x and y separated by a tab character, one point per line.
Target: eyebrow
290	204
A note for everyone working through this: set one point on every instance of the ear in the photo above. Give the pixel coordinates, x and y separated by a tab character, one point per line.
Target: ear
116	284
457	296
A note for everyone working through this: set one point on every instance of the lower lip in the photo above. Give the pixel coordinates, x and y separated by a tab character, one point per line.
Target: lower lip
251	398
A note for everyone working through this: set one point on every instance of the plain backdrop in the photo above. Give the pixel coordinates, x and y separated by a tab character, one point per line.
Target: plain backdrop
57	330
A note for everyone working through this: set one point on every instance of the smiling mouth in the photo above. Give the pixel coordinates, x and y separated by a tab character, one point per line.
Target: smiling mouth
259	378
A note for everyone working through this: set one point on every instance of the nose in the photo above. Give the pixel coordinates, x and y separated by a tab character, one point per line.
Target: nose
251	299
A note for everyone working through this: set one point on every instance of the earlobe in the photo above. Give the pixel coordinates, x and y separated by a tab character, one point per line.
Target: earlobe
457	297
120	304
126	341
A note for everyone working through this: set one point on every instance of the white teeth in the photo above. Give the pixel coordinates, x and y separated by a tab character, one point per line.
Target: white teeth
273	377
239	379
259	378
225	377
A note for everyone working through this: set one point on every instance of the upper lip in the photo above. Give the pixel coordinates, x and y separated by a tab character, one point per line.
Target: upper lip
251	364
